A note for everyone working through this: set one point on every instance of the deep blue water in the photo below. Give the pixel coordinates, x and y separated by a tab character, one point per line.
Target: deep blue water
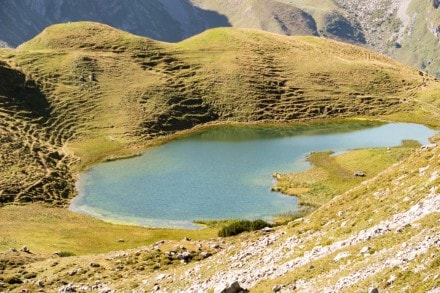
223	172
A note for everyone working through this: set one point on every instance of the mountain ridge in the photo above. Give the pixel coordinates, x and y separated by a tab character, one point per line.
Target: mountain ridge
407	30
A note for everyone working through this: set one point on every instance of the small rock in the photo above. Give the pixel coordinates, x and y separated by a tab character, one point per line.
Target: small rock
276	288
205	254
13	249
186	239
341	255
360	173
184	256
39	283
159	242
161	277
215	246
276	176
25	249
365	249
428	146
267	229
94	265
373	290
121	240
391	279
234	288
156	288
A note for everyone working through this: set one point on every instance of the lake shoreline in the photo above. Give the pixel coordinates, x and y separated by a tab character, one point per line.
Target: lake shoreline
342	128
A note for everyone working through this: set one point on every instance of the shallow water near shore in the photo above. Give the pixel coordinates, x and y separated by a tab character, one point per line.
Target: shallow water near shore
221	172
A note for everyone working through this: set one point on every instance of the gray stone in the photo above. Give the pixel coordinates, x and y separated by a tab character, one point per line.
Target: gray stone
360	173
276	288
25	249
267	229
205	254
234	288
365	249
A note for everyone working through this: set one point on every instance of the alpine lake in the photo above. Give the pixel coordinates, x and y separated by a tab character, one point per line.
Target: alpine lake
223	172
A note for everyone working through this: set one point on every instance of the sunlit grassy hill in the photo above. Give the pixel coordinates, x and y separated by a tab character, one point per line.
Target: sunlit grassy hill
93	92
81	93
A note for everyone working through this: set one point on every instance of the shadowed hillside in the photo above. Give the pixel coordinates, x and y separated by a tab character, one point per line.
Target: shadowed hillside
93	92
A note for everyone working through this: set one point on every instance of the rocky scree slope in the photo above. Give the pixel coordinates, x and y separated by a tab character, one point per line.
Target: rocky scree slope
408	30
81	93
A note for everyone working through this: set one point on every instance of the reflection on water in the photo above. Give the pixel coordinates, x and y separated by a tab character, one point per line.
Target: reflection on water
223	172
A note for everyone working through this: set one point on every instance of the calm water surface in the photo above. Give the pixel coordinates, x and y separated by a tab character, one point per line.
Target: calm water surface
223	172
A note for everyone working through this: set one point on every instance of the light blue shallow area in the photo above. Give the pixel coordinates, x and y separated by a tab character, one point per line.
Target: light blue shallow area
223	172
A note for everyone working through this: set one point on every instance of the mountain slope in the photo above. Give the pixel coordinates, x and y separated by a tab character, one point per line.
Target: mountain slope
81	93
404	29
96	92
407	30
175	20
22	20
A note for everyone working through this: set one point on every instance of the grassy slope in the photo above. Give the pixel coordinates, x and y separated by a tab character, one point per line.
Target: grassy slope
419	45
333	175
55	229
142	89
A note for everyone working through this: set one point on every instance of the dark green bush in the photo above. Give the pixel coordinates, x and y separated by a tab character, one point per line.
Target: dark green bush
14	280
241	226
65	253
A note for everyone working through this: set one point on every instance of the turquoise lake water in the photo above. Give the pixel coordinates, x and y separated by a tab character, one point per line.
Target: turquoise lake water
223	172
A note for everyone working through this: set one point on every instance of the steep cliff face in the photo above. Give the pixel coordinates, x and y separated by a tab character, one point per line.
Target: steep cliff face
408	30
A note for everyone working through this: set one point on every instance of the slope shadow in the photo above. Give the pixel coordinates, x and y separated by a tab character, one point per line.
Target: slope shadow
196	19
21	95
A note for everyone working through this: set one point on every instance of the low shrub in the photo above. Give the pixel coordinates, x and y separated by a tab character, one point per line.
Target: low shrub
241	226
65	253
